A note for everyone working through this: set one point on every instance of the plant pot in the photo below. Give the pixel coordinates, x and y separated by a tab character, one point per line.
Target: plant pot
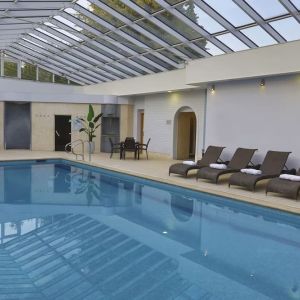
90	147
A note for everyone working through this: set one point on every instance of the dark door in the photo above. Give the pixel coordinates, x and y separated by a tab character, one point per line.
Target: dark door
17	128
62	132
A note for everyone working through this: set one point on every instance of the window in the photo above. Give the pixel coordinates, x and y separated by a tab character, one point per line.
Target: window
45	76
60	79
258	36
10	69
28	71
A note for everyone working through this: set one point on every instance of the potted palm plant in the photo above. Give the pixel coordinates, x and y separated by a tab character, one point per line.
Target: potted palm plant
90	125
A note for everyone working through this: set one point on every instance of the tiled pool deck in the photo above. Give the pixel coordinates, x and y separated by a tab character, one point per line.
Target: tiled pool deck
157	169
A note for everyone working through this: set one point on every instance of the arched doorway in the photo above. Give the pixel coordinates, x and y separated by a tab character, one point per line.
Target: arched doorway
185	132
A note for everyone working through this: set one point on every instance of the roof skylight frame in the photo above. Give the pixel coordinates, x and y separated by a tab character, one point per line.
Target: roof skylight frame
131	62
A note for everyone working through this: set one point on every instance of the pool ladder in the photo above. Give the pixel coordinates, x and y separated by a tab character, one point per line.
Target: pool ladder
70	148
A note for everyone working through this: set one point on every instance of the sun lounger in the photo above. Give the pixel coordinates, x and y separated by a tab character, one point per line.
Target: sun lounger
211	155
287	187
240	159
271	167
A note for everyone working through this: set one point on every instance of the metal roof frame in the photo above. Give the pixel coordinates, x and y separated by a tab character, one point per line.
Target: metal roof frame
46	34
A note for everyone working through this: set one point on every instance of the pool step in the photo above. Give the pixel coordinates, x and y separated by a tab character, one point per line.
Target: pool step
79	258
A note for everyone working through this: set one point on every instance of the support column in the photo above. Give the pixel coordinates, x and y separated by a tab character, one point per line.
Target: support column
126	121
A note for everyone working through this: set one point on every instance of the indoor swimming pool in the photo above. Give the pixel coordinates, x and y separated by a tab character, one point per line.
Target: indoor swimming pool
72	231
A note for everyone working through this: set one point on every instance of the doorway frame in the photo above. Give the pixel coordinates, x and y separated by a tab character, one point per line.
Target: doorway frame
140	136
175	130
66	115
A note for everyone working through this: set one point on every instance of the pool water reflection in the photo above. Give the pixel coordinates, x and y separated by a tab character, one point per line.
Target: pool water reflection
69	231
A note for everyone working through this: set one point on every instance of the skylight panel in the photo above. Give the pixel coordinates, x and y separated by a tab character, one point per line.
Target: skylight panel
67	33
31	42
68	23
200	18
230	11
289	28
296	3
84	3
212	49
267	8
259	36
53	36
39	38
232	42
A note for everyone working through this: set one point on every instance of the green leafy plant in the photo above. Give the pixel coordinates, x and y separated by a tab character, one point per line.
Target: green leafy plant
91	123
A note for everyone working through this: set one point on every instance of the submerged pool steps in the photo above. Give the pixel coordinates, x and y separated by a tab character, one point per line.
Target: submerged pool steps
85	259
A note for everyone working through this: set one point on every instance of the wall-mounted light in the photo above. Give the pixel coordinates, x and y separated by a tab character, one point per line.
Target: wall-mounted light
212	89
262	83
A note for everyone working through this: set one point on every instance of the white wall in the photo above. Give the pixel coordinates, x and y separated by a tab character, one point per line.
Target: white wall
241	113
31	91
159	108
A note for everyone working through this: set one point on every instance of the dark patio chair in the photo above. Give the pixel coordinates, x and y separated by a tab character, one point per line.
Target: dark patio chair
283	186
143	147
240	159
129	146
114	146
271	167
211	155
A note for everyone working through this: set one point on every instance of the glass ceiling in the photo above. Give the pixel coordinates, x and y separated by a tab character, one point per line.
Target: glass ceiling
92	41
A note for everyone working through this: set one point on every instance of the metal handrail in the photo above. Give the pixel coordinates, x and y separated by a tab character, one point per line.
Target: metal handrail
74	144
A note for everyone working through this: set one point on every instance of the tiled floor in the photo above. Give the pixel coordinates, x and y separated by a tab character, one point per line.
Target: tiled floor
157	169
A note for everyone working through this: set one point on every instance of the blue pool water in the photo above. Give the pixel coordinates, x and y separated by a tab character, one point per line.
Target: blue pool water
69	231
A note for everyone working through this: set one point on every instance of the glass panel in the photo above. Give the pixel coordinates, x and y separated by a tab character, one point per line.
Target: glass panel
123	9
66	33
128	65
197	15
10	69
213	50
289	28
230	11
107	54
138	36
60	79
74	83
178	25
28	71
259	36
267	8
141	62
189	52
53	36
100	13
86	20
149	5
174	57
159	61
232	42
173	2
160	33
44	75
296	3
125	42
